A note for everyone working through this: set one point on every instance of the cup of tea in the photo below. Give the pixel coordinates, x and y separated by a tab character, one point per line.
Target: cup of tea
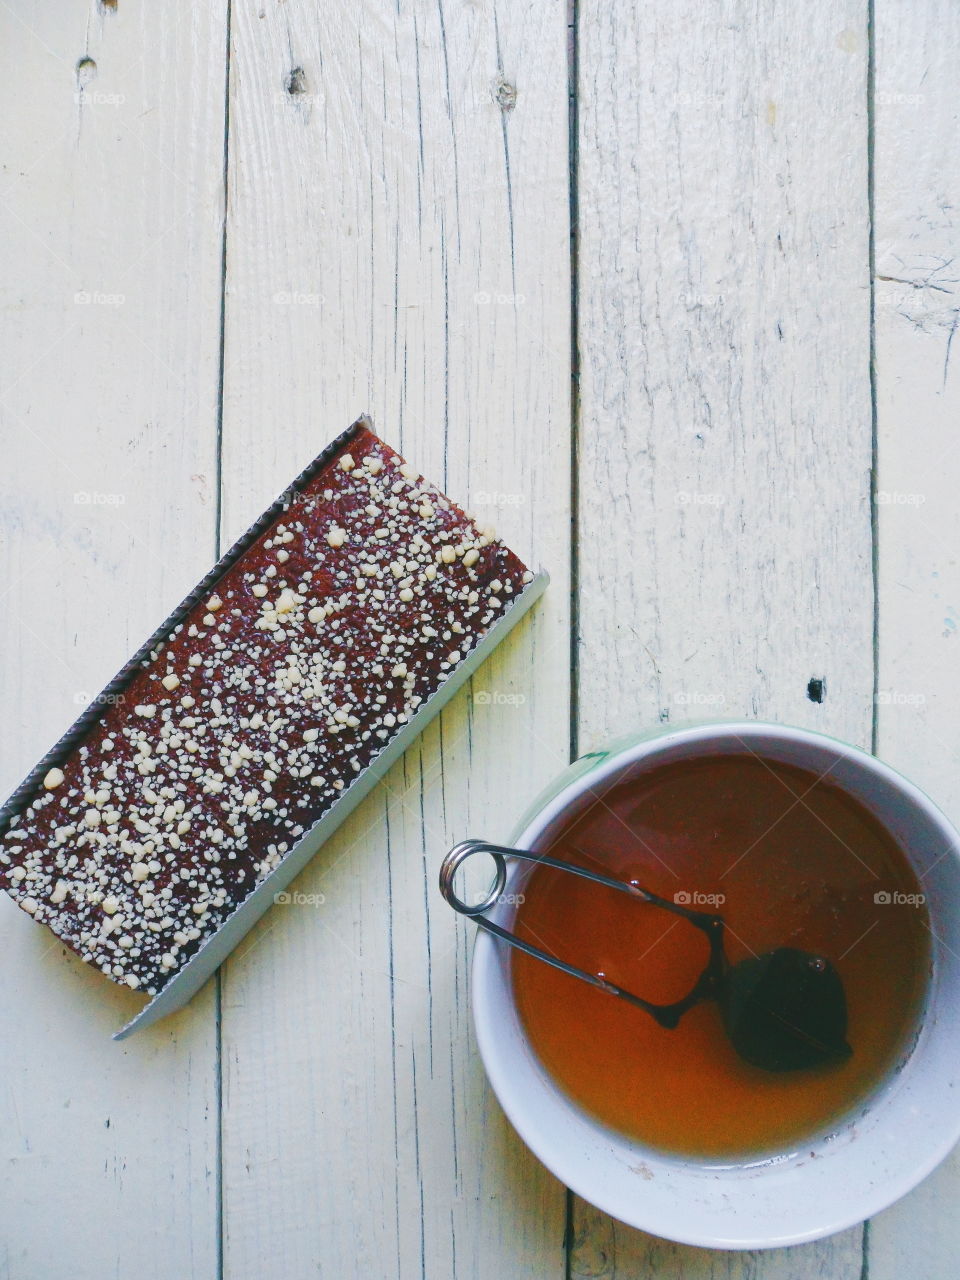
785	1058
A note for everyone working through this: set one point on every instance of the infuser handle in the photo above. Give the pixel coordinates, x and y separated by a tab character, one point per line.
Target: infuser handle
668	1015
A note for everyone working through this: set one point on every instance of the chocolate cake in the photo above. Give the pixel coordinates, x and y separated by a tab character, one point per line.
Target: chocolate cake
241	727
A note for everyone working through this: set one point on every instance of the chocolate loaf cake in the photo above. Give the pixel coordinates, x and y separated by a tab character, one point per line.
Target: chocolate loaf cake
242	727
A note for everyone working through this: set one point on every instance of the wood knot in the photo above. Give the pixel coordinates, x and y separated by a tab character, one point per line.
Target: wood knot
86	71
505	94
296	82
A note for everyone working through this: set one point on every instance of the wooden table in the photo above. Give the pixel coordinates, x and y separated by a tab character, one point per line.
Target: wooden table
667	292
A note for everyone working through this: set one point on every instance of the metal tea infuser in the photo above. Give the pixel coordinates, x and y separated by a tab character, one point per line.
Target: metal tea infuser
782	1011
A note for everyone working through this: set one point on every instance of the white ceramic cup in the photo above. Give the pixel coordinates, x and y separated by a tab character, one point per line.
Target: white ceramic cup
865	1163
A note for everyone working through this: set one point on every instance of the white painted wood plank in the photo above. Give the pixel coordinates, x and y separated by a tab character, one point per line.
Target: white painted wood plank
917	228
725	554
107	495
397	242
604	1247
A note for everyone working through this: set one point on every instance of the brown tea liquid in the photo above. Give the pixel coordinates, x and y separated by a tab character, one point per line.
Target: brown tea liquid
788	861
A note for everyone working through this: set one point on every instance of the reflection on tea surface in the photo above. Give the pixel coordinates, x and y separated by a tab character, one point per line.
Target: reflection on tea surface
789	862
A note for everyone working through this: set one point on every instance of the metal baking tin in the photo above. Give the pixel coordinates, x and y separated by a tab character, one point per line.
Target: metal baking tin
188	980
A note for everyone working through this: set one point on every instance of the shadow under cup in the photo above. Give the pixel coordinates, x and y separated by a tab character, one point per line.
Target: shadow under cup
865	1160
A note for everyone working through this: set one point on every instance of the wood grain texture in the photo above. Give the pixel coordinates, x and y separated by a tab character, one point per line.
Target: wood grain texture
398	243
111	209
917	308
725	442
